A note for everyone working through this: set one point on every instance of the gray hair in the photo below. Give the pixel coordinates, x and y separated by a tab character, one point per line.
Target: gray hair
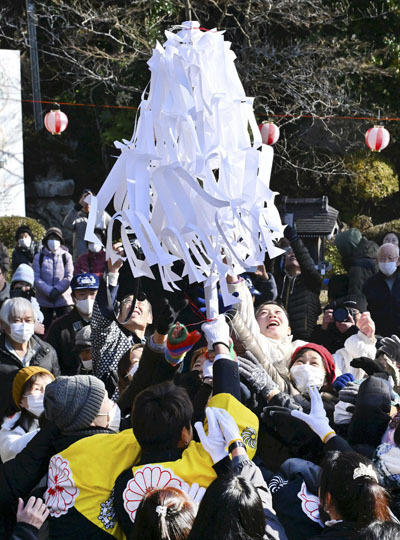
15	308
385	246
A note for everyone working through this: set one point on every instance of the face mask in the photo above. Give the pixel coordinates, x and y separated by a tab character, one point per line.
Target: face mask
25	242
387	268
306	375
21	332
35	404
94	248
115	418
85	307
133	369
87	364
53	245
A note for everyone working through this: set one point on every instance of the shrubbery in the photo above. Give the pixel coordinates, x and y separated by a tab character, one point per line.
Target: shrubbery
9	224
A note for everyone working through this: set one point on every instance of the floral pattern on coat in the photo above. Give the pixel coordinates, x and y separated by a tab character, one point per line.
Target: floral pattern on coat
61	492
146	479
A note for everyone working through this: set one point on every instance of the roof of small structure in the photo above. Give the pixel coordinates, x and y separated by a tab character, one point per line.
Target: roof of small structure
313	217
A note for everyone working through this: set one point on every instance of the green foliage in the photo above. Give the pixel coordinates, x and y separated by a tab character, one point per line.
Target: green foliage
378	232
370	179
332	255
9	224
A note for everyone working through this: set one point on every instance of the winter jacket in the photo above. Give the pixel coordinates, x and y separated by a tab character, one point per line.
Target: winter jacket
14	438
299	294
383	303
358	257
342	530
40	354
94	263
24	531
23	255
53	270
4	258
331	338
275	351
5	293
77	220
61	336
247	469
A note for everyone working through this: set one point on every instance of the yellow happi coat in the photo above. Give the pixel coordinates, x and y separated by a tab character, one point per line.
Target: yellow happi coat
83	476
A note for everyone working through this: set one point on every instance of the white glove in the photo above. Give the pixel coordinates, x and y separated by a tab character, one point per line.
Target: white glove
341	415
216	331
195	492
228	426
214	442
208	369
317	419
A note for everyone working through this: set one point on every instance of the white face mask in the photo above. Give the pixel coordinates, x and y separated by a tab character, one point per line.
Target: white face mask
21	332
115	418
35	404
94	248
87	364
387	268
53	245
25	242
305	376
85	307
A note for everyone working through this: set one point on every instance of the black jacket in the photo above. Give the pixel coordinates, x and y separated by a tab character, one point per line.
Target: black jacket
61	336
23	255
300	294
383	303
339	531
331	339
44	356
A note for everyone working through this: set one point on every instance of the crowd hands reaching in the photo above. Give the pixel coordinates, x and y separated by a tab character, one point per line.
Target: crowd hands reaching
128	414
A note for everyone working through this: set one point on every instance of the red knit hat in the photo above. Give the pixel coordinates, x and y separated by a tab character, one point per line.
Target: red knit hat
329	362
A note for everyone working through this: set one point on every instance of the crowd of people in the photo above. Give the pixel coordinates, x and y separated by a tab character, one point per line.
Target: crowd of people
127	413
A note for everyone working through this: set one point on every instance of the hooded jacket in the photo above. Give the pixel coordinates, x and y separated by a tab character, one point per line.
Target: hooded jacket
299	294
53	273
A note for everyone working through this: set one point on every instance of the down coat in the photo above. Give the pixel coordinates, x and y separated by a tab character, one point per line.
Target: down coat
55	271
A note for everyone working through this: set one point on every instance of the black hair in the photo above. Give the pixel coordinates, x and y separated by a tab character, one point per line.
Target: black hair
360	500
273	303
231	509
381	531
159	414
390	232
172	521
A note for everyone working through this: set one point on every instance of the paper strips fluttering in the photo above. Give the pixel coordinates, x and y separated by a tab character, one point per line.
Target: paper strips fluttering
193	182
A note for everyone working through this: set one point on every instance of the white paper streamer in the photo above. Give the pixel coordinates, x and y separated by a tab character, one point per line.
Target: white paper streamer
193	181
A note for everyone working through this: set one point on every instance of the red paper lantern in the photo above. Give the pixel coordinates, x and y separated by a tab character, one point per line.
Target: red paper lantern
377	138
56	122
269	132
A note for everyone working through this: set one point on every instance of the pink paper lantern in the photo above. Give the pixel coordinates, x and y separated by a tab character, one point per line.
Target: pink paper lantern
269	132
56	122
377	138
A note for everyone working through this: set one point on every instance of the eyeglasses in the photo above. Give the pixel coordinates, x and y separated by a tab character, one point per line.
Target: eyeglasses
387	259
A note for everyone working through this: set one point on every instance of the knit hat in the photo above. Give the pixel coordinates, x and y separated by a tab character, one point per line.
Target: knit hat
22	376
85	281
329	362
23	229
24	272
56	231
72	403
83	339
